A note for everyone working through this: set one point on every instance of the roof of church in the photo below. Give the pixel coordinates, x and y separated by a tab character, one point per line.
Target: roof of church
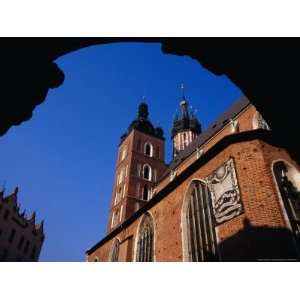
216	126
143	124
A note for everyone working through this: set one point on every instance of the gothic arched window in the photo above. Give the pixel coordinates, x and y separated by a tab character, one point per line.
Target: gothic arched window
259	122
145	240
115	251
147	172
146	192
200	232
288	181
148	150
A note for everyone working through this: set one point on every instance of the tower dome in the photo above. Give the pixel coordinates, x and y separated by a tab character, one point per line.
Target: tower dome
143	124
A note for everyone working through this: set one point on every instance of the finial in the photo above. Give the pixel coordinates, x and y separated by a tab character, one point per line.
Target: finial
182	91
32	219
143	111
3	187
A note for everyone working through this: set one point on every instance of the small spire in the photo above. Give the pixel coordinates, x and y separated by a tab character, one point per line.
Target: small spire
32	219
143	111
16	191
40	226
182	91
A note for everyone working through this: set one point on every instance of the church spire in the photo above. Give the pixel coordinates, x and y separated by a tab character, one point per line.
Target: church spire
185	128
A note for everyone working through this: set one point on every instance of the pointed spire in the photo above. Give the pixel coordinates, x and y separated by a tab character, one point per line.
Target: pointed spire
16	190
182	92
32	219
40	226
143	110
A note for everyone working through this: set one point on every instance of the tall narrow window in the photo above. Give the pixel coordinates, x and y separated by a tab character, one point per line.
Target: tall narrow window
124	152
139	170
138	190
115	251
201	238
288	181
157	152
155	175
148	150
146	192
145	240
147	172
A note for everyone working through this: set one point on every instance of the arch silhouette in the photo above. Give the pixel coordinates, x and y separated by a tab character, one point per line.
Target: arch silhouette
264	69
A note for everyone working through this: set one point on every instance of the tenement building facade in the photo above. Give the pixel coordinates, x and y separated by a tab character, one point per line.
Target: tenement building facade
230	193
21	239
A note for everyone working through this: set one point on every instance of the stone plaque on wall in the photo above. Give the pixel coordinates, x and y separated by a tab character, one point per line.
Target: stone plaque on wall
225	193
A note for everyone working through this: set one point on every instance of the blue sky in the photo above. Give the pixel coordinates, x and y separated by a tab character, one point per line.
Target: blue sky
63	159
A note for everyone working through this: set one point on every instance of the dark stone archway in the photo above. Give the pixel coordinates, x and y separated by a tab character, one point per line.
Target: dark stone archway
266	70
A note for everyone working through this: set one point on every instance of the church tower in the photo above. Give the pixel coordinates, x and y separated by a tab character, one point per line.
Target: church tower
140	163
186	127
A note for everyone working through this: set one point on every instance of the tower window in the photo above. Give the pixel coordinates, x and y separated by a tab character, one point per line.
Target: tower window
124	152
147	172
148	149
145	242
146	192
157	152
138	190
139	170
124	190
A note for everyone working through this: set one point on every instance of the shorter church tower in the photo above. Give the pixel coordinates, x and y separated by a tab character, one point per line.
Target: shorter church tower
185	129
140	163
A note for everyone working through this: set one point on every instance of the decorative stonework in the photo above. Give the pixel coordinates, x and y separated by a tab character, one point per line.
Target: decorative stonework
225	193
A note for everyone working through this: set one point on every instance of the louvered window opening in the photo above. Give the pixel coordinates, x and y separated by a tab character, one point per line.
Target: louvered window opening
115	252
145	242
200	228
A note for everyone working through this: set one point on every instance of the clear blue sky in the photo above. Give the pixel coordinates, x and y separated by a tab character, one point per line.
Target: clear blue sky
63	159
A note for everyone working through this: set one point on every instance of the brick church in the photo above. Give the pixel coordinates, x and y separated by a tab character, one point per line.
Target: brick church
230	193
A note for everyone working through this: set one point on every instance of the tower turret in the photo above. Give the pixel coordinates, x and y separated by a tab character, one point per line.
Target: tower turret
186	127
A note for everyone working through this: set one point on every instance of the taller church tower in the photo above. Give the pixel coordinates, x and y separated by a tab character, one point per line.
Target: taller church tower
185	129
140	163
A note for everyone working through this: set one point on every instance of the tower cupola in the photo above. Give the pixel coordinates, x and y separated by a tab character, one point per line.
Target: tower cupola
185	128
